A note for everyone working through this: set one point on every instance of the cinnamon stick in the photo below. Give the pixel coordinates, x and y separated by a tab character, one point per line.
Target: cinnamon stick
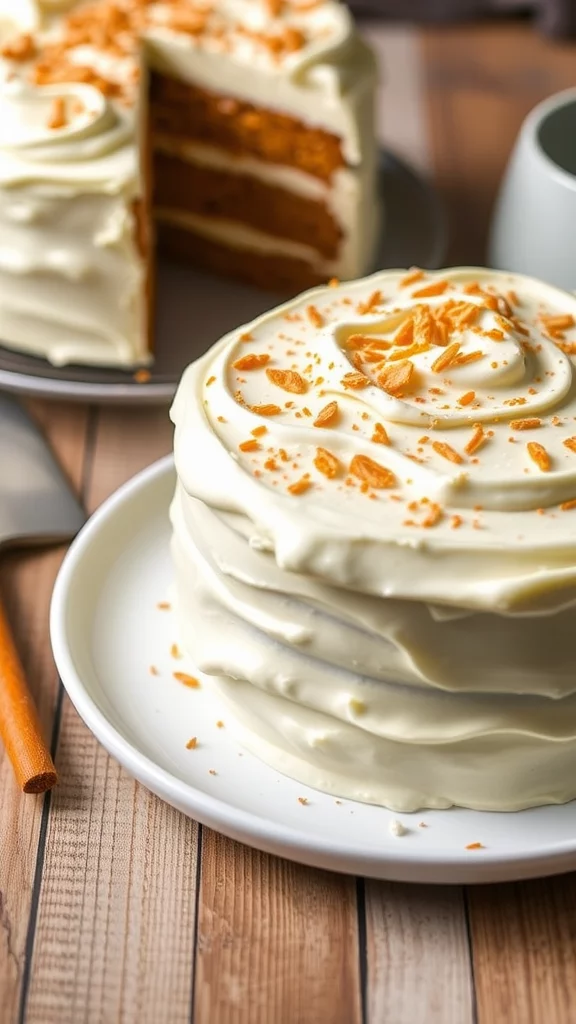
20	727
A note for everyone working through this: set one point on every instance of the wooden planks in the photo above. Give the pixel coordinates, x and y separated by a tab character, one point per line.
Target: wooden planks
26	580
115	925
418	955
525	951
481	81
276	942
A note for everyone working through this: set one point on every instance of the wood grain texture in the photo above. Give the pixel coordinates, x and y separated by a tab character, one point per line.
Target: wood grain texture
115	928
524	942
419	969
481	82
276	942
26	580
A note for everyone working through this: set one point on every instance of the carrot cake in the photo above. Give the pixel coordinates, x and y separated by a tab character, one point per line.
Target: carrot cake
375	542
238	132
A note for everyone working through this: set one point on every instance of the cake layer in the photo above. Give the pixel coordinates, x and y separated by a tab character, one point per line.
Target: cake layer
367	739
271	270
186	111
214	192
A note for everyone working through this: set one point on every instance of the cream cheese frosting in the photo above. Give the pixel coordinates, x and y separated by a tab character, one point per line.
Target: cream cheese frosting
373	537
309	58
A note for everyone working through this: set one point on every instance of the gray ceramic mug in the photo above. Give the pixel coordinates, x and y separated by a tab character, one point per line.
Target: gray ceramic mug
534	223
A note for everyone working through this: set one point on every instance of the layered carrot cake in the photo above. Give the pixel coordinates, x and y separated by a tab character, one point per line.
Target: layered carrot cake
375	537
240	132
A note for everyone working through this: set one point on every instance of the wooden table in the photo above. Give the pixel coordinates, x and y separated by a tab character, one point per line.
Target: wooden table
114	907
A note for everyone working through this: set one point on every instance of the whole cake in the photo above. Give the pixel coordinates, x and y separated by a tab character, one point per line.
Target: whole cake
375	537
242	129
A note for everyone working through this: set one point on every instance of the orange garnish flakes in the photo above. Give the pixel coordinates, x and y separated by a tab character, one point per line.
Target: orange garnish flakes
266	410
467	398
433	515
142	376
446	358
259	431
396	377
190	681
251	445
251	361
22	48
566	506
475	846
405	334
327	416
570	442
477	439
436	288
446	451
288	380
380	436
530	424
356	381
327	463
58	117
299	486
468	357
192	743
315	316
372	473
164	606
539	455
373	300
561	322
413	275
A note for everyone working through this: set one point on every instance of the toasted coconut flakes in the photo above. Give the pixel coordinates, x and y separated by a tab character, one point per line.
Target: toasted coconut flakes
562	322
477	439
446	451
373	300
356	381
164	606
570	442
405	334
456	522
436	288
300	486
327	463
266	410
315	316
259	431
396	377
446	358
192	743
475	846
247	336
530	424
327	416
413	275
23	48
380	436
433	516
251	361
271	464
58	117
468	357
251	445
190	681
288	380
372	473
539	455
467	398
566	506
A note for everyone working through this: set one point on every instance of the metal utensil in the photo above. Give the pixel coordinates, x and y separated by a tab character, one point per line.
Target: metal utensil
36	507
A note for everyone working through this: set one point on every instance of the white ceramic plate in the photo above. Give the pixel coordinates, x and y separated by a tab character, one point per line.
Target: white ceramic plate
196	309
107	631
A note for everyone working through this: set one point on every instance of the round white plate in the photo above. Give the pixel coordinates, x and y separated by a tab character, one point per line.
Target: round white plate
195	309
107	632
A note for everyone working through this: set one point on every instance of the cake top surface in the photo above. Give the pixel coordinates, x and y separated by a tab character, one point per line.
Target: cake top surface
412	434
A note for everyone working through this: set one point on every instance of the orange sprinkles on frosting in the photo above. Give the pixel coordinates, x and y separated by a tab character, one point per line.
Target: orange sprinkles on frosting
436	288
327	463
539	455
251	445
380	436
300	486
372	473
477	439
446	451
315	316
566	506
396	377
570	442
373	300
190	681
446	358
530	424
266	410
288	380
413	275
327	416
467	398
405	334
251	361
356	381
468	357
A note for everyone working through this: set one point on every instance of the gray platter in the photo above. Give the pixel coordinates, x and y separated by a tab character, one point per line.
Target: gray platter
195	309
